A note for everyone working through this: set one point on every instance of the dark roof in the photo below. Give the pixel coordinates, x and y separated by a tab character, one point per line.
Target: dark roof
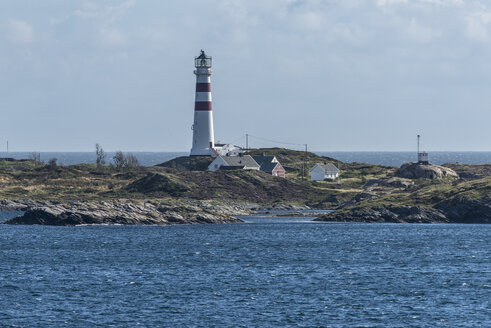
266	162
260	159
268	167
240	161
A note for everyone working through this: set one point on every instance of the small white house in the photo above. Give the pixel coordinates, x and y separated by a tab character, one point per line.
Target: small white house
322	172
241	162
227	150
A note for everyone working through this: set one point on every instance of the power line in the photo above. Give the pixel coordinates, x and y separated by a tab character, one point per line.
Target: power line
236	140
276	141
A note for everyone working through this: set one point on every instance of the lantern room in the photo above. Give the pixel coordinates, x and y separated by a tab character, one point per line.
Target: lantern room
202	60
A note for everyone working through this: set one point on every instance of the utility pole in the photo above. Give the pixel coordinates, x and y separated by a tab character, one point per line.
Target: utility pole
247	141
303	166
7	147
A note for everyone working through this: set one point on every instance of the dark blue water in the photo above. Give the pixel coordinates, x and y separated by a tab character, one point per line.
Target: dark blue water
380	158
256	274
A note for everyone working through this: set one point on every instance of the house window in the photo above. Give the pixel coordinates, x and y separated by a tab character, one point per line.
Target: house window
216	166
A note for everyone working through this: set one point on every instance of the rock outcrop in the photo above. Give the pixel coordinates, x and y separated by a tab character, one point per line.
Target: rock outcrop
384	213
454	210
461	209
128	212
425	171
19	205
393	182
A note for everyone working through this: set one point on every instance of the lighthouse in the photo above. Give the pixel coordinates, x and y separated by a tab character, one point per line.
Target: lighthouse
203	139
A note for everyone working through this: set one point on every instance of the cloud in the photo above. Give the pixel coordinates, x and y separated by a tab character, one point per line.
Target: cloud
420	33
311	21
19	31
478	25
419	2
389	2
363	59
109	36
91	10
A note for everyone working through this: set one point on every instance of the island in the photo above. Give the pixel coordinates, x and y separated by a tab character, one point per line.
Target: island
184	191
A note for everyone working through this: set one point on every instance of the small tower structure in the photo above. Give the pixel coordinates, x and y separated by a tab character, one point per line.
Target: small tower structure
203	135
422	155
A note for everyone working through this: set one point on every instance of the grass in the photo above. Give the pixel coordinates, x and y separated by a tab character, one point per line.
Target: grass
187	178
428	194
84	182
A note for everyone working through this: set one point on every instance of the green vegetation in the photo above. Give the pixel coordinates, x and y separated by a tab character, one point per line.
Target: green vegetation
429	193
84	182
471	171
187	178
38	181
188	163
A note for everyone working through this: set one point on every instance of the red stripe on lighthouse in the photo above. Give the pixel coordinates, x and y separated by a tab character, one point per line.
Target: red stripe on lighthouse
202	105
203	87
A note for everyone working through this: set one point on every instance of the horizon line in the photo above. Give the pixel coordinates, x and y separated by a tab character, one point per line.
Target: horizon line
180	151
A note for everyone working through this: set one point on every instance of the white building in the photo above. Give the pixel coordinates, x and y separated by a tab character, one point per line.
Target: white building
325	171
228	150
241	162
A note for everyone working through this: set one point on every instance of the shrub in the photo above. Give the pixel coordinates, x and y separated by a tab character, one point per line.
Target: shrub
125	161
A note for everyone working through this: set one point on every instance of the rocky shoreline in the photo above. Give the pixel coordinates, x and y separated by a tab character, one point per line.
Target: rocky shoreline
131	212
138	212
420	193
390	214
477	211
122	212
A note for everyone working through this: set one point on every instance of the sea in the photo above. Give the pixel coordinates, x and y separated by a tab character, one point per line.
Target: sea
266	272
371	157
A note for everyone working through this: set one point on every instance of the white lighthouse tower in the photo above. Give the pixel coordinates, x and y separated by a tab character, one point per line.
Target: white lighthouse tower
203	139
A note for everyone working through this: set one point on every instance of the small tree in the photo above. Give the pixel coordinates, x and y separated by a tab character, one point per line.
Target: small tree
101	155
52	163
132	161
119	159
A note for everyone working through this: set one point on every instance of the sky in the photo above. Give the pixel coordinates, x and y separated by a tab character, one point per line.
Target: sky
337	75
